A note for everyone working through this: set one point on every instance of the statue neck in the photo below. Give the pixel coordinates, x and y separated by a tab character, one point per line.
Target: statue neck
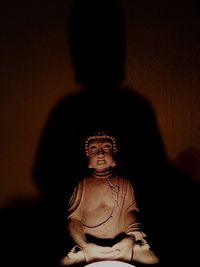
102	174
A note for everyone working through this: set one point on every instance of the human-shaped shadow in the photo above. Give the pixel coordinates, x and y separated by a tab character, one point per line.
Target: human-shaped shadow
97	44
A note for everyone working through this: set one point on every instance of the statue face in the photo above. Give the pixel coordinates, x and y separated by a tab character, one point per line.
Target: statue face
100	155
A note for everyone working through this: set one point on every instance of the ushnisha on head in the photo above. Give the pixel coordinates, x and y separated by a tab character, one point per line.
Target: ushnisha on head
100	149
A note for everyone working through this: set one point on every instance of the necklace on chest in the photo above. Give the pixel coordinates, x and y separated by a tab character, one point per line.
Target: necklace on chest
104	190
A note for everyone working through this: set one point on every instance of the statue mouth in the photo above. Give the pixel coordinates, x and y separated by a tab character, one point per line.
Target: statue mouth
101	161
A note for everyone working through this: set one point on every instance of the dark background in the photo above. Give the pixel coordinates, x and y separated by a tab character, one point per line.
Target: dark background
162	64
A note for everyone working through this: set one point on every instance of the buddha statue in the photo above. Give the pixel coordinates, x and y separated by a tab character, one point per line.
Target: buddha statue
103	213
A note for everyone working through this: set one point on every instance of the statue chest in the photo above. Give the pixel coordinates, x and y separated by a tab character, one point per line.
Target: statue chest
97	203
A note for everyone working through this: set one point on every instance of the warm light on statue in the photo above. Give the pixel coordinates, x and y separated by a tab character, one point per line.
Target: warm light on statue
103	213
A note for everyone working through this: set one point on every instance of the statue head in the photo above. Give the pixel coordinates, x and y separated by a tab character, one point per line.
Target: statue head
100	149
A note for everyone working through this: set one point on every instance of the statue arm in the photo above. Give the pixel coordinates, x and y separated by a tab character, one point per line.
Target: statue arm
75	226
132	222
76	231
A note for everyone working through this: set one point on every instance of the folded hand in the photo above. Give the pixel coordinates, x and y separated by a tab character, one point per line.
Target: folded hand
125	249
94	252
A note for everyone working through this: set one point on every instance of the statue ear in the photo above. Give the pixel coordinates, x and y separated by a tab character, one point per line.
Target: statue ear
113	164
89	164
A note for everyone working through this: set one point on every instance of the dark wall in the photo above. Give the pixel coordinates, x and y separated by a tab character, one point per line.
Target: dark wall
162	64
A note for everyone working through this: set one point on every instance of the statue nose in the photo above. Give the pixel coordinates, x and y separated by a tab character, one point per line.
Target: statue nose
100	152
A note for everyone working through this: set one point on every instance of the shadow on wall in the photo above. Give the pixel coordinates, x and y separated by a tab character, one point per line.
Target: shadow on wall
188	161
97	41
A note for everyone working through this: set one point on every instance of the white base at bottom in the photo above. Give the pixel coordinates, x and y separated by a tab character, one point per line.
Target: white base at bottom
109	264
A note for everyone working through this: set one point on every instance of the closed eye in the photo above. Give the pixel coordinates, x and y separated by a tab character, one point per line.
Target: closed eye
93	149
107	147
